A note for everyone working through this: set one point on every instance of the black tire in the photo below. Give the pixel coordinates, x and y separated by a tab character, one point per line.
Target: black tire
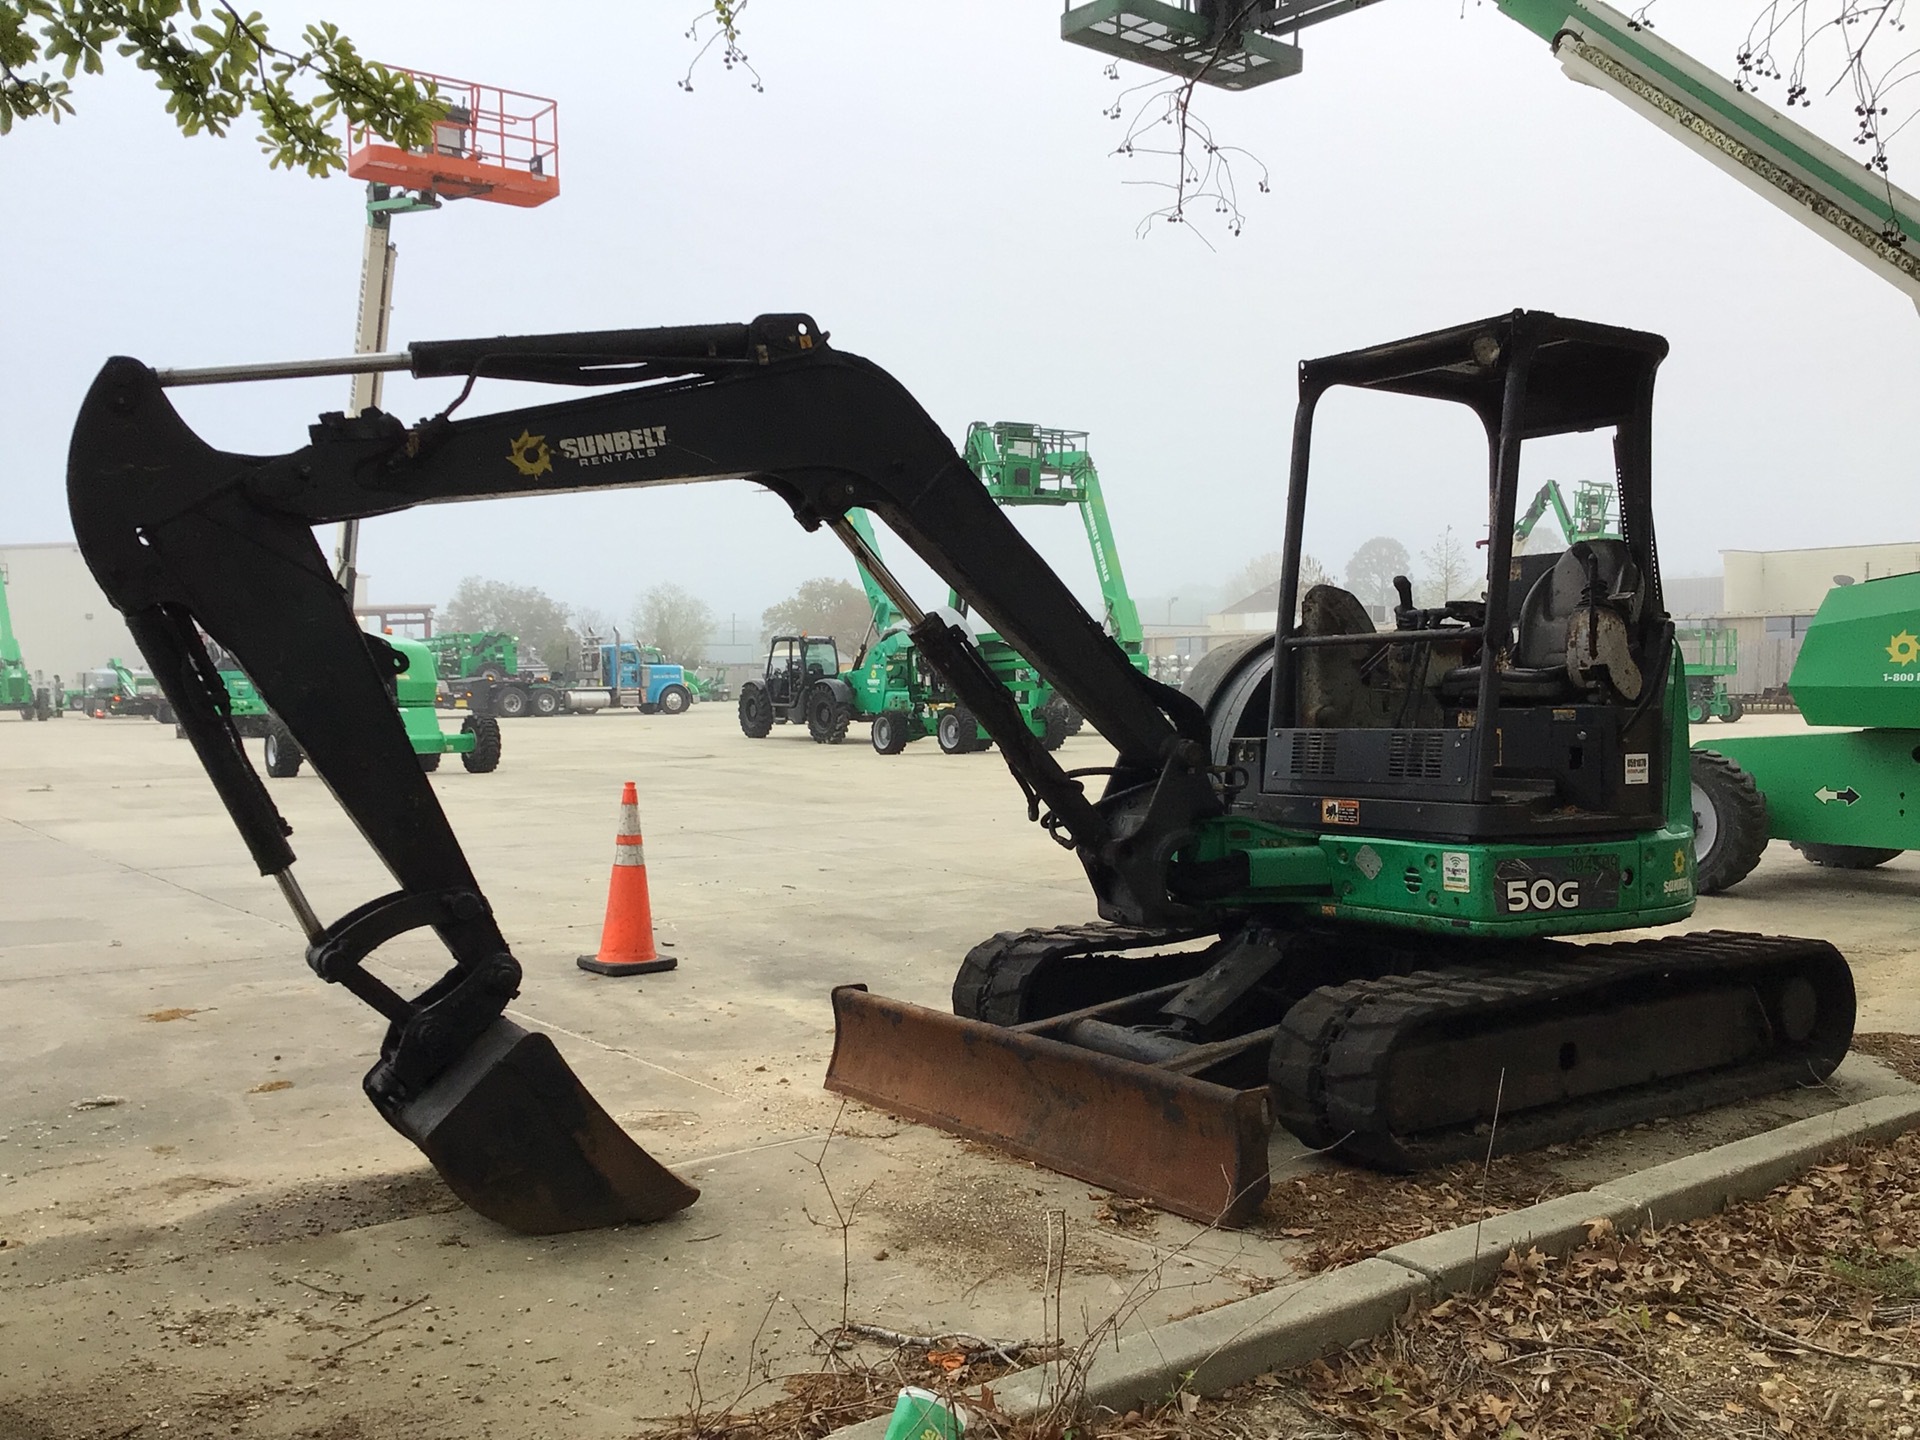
484	758
827	716
1071	718
511	702
1729	822
756	712
674	700
1055	734
957	732
491	672
889	734
1845	857
545	701
429	762
283	751
1734	710
1696	712
163	712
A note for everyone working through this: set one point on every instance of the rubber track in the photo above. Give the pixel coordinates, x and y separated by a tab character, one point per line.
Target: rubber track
998	975
1331	1062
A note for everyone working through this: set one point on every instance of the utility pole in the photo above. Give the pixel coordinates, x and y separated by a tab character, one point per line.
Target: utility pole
488	144
377	259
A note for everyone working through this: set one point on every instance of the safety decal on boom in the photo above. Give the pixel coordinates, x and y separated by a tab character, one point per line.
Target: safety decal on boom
1560	883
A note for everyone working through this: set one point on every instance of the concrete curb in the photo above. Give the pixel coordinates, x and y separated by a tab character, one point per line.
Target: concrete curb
1293	1324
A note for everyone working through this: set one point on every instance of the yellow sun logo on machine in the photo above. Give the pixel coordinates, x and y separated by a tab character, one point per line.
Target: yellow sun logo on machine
1904	648
531	457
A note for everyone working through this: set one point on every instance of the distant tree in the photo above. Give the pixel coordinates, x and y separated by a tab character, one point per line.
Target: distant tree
675	622
540	621
1260	571
1372	567
822	606
1264	570
1444	571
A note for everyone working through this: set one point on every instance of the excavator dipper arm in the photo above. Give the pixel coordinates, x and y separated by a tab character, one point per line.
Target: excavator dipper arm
185	538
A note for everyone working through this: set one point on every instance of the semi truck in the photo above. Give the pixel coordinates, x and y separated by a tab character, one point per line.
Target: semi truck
612	674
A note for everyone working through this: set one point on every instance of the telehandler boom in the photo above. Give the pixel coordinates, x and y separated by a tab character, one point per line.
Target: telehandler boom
1377	829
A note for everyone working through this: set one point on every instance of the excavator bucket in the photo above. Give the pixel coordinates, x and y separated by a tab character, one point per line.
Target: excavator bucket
1190	1146
515	1134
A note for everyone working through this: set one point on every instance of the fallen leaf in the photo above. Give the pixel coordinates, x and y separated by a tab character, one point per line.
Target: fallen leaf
267	1087
172	1012
99	1102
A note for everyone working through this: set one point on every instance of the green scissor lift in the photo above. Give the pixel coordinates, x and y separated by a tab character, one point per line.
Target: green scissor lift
1712	654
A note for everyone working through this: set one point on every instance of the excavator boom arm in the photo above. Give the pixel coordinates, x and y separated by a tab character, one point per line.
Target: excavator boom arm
180	534
191	543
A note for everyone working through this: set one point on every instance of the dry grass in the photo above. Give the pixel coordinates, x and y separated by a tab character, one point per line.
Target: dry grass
1795	1315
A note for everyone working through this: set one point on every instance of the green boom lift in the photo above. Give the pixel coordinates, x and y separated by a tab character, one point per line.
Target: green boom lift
1838	796
904	699
1019	464
1831	193
1035	465
17	690
1589	517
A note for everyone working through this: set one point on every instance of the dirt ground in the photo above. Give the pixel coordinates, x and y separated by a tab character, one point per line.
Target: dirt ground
205	1230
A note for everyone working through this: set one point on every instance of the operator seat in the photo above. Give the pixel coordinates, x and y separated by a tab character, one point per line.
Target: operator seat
1596	583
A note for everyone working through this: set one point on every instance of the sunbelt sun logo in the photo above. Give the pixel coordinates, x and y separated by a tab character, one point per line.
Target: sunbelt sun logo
1904	648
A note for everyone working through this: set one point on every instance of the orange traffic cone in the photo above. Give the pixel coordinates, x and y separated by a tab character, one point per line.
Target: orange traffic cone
626	939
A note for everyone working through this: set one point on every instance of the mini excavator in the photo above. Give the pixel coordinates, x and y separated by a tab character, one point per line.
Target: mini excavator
1333	873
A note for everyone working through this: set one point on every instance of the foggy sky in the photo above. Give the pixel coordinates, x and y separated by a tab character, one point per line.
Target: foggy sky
935	185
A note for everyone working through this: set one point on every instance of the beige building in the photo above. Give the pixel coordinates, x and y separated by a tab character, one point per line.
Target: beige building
60	616
1768	598
1793	582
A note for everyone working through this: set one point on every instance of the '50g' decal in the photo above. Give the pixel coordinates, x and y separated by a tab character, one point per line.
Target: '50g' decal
1541	894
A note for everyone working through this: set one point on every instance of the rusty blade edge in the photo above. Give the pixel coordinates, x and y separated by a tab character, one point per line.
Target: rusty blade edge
1194	1148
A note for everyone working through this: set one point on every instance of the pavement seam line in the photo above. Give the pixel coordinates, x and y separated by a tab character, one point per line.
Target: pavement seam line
1695	1186
157	879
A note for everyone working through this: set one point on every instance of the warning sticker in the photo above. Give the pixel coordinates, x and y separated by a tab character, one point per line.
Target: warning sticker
1637	769
1339	812
1456	870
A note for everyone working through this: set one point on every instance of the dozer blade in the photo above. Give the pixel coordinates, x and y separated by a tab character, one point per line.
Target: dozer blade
515	1134
1197	1149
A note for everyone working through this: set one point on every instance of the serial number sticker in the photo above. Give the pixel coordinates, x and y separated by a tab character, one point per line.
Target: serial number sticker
1339	812
1535	886
1456	870
1637	771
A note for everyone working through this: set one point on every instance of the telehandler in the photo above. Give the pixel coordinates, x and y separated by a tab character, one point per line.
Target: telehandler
1370	835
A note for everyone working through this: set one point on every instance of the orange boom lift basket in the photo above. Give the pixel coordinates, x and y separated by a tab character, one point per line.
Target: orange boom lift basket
491	144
